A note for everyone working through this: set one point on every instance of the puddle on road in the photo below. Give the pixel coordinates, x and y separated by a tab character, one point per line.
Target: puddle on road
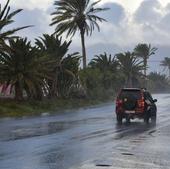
127	154
152	132
103	165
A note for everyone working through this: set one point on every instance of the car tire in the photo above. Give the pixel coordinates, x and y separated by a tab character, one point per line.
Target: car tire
153	118
146	118
119	119
127	119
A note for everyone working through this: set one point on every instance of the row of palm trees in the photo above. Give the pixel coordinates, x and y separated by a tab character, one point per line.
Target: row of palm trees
166	64
110	73
46	68
132	65
73	16
40	70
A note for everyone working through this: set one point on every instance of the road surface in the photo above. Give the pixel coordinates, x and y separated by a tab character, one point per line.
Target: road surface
87	138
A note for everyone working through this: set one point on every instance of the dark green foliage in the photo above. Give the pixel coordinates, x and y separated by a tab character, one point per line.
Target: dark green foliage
131	68
108	67
11	108
52	46
23	67
166	64
64	68
68	76
91	80
144	51
158	82
104	62
102	78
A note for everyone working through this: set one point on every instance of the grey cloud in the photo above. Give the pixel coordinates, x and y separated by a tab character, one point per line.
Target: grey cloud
153	19
168	7
100	48
148	12
115	14
165	22
38	18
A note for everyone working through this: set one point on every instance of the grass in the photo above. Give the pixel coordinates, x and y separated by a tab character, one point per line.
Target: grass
11	108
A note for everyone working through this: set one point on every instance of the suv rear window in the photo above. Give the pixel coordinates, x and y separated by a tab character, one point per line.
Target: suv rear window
130	94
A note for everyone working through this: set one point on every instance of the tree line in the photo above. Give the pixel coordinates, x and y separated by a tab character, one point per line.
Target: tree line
46	69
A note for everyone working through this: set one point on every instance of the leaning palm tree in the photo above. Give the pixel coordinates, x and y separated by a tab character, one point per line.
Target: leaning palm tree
145	51
77	15
68	75
6	18
166	63
63	68
130	66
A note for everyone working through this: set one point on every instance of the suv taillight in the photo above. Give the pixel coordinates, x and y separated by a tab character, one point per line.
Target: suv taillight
141	103
119	103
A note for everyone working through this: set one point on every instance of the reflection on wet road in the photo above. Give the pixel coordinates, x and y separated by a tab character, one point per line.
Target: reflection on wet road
86	138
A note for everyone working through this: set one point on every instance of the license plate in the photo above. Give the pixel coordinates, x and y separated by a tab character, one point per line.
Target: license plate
129	112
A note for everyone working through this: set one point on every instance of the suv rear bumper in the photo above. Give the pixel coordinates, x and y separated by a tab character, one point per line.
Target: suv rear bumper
136	114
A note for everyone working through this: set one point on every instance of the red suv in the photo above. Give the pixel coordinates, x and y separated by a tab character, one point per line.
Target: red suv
135	103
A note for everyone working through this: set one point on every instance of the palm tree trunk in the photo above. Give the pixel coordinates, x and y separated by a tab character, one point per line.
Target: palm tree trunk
18	92
145	72
39	93
54	89
53	85
83	49
129	81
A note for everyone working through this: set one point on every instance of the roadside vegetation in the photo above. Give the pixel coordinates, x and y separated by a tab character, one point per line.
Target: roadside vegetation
44	76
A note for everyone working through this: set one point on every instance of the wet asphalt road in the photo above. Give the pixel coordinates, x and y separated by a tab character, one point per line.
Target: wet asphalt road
86	139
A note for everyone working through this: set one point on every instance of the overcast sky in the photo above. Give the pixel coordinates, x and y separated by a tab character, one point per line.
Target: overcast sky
129	22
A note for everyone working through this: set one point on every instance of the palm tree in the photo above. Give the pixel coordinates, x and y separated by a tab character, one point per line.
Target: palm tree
104	62
145	51
23	67
77	15
68	75
108	68
53	46
130	66
6	18
63	68
166	63
158	82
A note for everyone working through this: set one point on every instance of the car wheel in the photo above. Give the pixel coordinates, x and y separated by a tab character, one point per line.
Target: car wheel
153	118
146	118
119	119
127	119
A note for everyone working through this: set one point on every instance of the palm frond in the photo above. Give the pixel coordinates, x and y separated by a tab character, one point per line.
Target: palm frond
73	15
5	20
